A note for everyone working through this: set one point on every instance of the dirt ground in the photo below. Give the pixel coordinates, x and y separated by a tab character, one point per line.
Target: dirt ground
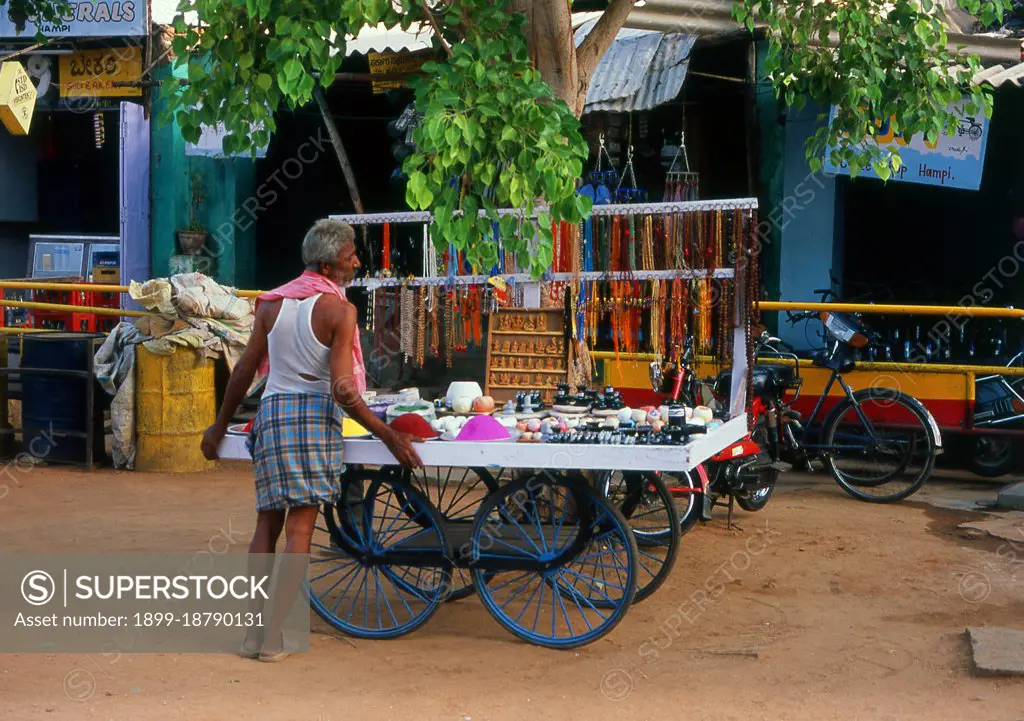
831	609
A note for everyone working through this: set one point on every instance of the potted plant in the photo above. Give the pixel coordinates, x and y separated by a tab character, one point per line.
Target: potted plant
192	239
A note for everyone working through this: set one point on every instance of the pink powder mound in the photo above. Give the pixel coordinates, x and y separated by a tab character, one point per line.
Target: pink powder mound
483	428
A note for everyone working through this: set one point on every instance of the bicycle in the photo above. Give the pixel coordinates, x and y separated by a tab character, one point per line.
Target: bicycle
879	444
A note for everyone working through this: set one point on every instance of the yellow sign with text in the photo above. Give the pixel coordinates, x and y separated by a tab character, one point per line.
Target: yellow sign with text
17	98
393	64
92	73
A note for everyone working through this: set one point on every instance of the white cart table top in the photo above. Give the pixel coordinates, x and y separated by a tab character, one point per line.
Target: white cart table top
560	456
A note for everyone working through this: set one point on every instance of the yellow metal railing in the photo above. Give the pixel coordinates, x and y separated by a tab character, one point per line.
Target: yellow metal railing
95	310
63	307
885	366
956	311
95	287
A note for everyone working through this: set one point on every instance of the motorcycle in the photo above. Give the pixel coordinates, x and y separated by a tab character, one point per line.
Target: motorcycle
998	403
745	472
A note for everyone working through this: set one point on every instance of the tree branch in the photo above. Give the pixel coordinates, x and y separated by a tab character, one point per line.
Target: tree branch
600	38
437	30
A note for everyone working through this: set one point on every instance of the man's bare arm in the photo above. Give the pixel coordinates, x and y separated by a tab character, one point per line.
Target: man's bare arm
343	387
239	383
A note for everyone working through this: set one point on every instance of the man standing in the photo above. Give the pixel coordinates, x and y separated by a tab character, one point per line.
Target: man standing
307	331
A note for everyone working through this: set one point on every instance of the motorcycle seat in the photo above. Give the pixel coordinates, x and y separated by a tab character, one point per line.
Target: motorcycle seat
770	379
842	364
766	380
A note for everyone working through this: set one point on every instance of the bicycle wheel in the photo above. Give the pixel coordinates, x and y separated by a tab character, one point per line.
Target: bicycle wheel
456	493
880	446
650	510
542	549
685	489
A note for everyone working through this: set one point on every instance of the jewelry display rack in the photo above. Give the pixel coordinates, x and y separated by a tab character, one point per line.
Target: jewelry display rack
424	218
740	342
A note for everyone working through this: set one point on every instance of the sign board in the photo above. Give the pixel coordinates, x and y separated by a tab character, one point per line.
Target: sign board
211	144
88	19
92	73
17	98
952	161
391	63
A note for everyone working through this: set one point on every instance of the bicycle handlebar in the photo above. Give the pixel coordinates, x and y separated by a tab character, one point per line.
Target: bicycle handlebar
796	317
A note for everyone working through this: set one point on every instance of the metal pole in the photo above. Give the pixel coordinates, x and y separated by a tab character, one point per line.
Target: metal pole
950	310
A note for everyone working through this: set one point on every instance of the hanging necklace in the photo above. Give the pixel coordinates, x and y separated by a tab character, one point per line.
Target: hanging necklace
478	321
653	317
676	321
615	259
421	325
449	327
380	319
647	244
435	336
405	321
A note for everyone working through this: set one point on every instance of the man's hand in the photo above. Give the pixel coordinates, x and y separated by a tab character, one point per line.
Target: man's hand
400	445
211	439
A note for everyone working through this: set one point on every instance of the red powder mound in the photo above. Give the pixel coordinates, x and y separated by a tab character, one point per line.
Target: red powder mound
414	424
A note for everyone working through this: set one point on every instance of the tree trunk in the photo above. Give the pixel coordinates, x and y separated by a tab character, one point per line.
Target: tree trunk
549	34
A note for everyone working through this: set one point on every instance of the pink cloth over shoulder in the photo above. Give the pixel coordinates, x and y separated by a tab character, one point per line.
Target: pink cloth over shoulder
306	285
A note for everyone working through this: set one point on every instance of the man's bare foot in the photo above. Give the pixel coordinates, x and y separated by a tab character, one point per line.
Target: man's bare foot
273	646
274	652
252	643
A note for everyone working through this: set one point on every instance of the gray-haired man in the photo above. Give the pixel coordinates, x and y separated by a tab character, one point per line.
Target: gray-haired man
306	329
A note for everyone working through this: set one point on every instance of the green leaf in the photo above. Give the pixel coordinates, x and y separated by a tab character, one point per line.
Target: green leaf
196	73
425	197
584	205
264	81
447	97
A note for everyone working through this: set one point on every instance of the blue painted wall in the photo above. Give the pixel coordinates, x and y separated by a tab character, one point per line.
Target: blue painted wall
808	222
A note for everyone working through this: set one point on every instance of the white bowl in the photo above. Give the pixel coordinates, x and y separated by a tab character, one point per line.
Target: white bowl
463	389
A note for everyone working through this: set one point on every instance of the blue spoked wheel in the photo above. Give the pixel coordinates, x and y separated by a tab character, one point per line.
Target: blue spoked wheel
386	566
650	510
542	548
456	493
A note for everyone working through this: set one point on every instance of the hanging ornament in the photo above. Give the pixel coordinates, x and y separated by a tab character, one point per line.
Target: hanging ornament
386	252
98	129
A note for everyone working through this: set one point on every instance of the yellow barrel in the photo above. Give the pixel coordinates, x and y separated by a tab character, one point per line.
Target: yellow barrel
174	403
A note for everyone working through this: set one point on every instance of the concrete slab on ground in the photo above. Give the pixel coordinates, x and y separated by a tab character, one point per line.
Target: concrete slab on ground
955	497
1007	526
1012	496
997	651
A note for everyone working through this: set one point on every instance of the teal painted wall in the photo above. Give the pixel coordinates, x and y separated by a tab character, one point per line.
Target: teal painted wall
770	114
226	185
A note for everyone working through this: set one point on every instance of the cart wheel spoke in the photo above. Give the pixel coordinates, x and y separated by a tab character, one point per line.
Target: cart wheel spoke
392	560
577	561
651	512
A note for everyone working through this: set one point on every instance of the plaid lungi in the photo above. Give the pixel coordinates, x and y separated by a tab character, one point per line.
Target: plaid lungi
296	447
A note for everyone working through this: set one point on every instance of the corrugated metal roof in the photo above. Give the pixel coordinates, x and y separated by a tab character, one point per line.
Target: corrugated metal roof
641	70
419	36
998	75
381	38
